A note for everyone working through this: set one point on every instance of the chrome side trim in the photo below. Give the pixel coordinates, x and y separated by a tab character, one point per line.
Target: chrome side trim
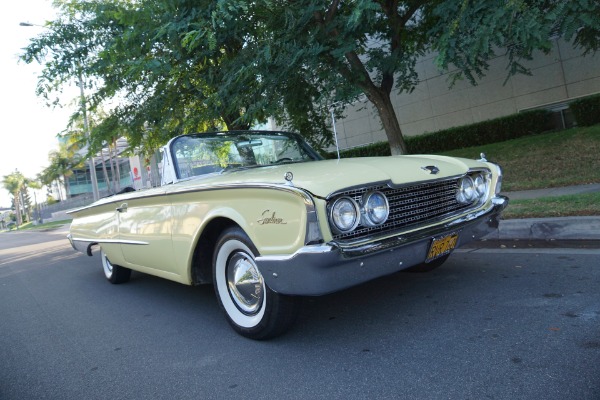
313	230
308	250
85	245
117	241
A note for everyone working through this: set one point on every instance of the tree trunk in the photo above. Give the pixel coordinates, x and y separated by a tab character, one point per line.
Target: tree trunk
380	97
155	174
58	185
232	125
67	187
112	168
383	103
106	180
118	180
18	208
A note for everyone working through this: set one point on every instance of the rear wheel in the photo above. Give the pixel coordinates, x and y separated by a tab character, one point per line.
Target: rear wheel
114	273
251	308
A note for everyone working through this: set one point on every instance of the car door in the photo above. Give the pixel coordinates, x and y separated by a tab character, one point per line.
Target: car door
145	228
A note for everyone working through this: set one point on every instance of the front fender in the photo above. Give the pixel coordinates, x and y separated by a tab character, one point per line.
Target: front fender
275	220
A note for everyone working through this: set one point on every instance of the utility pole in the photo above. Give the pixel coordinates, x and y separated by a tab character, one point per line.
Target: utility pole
86	124
86	127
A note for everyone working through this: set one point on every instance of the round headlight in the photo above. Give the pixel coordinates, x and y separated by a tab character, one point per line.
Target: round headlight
480	185
345	214
466	190
376	208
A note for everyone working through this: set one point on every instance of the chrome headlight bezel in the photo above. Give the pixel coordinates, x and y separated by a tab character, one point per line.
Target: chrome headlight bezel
474	187
481	183
335	217
498	187
368	210
466	193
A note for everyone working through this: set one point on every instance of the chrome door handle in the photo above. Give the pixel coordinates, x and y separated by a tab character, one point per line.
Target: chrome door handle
122	208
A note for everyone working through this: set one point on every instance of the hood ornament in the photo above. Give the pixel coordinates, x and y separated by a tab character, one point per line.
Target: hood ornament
432	169
289	177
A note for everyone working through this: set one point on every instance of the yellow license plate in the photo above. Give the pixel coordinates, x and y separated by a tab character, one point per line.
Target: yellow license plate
442	246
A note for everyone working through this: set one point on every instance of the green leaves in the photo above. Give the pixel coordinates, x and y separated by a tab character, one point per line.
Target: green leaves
468	34
180	66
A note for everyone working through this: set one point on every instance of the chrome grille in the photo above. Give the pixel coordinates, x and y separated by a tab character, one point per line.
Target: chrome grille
409	205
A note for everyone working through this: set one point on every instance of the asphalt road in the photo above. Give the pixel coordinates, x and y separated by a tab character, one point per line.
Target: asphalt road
493	323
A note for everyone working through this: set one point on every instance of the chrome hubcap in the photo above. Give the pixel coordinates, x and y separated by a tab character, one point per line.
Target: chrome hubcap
245	283
108	268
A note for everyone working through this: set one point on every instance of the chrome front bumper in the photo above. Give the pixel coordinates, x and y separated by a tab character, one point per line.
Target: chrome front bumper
321	269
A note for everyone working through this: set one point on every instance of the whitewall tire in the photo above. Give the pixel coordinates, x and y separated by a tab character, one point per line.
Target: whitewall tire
114	273
251	308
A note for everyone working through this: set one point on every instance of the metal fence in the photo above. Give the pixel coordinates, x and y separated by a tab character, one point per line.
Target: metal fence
68	204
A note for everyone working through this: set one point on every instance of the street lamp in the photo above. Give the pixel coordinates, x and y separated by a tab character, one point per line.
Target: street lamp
86	125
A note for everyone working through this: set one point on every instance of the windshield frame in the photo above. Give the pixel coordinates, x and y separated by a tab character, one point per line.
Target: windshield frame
305	147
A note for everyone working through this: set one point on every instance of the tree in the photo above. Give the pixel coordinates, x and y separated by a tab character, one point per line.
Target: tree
181	66
162	92
172	66
16	184
63	162
371	46
13	183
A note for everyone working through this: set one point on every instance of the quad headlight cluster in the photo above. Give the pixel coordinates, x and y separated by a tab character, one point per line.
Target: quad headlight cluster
346	213
371	209
472	188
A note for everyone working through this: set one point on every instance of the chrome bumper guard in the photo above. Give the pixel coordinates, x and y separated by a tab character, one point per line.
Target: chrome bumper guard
82	246
321	269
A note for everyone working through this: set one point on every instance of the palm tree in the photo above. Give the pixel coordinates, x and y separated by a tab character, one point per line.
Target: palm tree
16	184
62	163
13	183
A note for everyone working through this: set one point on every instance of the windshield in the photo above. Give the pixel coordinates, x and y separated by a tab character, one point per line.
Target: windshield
206	153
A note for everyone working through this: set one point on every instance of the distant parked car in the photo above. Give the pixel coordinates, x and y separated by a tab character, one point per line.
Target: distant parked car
265	219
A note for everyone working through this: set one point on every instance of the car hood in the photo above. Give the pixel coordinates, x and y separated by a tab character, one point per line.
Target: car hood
325	177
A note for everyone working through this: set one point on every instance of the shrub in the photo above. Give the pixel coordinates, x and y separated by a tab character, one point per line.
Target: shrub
495	130
586	110
51	200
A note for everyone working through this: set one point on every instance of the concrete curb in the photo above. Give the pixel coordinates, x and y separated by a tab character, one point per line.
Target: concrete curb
553	192
565	228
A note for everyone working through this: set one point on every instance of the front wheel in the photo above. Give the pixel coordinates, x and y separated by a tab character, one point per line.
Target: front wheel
251	308
114	273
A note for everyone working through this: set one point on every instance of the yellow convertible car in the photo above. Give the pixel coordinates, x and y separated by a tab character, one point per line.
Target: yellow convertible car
266	220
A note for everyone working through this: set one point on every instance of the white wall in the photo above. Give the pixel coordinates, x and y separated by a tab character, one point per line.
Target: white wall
560	76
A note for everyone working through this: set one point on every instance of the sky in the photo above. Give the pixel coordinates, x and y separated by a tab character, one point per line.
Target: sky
29	127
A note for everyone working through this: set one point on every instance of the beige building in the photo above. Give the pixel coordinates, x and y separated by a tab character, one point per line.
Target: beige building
557	78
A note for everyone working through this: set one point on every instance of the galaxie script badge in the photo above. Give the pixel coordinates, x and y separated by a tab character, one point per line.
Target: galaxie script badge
270	218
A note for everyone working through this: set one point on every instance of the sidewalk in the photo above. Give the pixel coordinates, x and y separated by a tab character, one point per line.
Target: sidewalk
564	228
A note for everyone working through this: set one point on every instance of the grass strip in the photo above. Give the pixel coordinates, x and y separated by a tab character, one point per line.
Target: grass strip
563	158
53	224
560	206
